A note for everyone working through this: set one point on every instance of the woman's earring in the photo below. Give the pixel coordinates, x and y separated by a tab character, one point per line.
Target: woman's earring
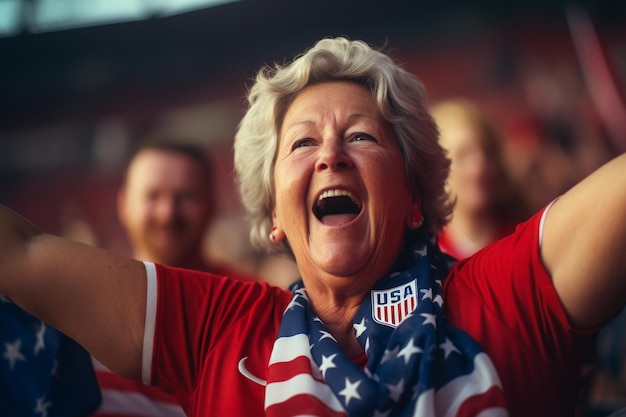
417	219
272	237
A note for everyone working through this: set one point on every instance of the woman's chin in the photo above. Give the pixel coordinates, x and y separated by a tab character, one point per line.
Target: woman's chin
342	262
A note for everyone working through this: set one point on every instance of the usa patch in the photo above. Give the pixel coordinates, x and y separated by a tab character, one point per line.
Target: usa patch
393	305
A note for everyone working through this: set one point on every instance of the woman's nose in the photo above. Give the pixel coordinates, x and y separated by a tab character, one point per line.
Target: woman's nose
333	156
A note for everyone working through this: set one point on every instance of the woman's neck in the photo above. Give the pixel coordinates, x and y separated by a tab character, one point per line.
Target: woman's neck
337	311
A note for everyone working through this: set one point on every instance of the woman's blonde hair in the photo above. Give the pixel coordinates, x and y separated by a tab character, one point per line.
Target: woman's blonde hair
400	97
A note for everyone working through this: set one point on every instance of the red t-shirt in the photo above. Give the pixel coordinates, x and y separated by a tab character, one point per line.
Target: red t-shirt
208	339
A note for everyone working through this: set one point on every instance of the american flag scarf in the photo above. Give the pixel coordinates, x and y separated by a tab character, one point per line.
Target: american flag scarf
417	364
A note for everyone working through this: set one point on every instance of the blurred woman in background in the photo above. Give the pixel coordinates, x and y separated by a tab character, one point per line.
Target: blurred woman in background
487	206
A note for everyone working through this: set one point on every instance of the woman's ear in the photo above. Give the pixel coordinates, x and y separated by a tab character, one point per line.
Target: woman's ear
276	234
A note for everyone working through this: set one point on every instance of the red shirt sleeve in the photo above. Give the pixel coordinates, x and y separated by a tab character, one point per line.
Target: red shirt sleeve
504	298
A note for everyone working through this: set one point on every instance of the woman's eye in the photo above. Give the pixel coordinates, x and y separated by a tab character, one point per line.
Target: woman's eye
300	143
362	136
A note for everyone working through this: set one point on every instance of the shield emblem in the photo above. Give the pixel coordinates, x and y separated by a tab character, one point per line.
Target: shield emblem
392	306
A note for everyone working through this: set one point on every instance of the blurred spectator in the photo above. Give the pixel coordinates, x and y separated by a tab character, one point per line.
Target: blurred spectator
166	203
487	204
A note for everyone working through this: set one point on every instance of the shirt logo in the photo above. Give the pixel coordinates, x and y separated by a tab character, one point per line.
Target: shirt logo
392	306
245	372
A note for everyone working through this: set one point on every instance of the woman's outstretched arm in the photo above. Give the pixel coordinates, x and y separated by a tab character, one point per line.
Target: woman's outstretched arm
92	295
584	245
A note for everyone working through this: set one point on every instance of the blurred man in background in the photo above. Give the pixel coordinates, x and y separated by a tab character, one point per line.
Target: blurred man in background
166	203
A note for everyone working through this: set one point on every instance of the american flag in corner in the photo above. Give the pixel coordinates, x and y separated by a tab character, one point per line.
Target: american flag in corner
43	373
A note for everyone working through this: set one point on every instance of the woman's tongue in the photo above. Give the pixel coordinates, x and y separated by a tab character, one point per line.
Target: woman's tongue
338	219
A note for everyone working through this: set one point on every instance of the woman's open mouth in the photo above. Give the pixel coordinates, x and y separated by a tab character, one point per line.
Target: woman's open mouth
337	206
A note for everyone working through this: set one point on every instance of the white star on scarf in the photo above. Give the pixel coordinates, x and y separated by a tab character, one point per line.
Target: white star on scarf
327	363
293	303
439	300
427	293
389	354
350	391
395	391
12	352
429	319
409	350
42	407
422	251
448	347
326	335
40	345
360	327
